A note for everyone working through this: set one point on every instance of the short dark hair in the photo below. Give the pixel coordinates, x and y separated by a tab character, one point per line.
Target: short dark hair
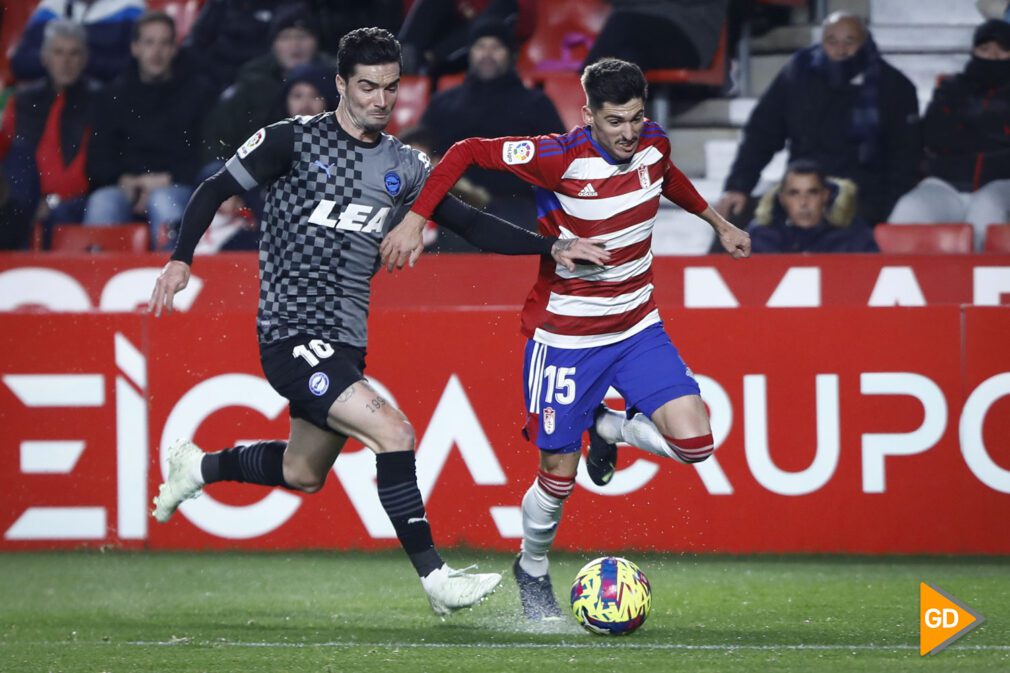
152	17
366	46
612	80
807	167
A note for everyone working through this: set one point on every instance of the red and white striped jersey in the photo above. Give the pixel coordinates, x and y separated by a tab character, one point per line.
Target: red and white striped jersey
582	192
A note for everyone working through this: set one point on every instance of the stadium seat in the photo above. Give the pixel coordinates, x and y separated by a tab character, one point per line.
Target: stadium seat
449	81
565	31
410	103
13	18
713	75
919	239
183	12
116	238
568	97
997	238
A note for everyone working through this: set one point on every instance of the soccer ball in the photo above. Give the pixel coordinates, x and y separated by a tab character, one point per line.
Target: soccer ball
611	596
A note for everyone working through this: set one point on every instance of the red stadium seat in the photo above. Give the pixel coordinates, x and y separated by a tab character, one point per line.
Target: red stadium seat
449	81
713	75
410	103
919	239
997	238
13	18
565	31
183	12
568	97
117	238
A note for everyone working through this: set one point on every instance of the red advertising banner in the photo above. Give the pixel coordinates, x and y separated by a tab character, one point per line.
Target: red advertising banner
839	429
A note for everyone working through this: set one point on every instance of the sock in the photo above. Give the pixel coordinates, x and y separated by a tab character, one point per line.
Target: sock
692	449
259	463
541	507
396	479
642	433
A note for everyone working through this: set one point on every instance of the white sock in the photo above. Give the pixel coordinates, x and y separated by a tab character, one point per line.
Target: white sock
196	471
641	432
541	514
609	424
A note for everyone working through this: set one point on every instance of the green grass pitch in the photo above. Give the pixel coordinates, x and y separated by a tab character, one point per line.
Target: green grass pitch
117	612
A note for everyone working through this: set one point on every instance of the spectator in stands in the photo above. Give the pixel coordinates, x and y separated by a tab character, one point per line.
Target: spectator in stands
44	138
661	33
251	103
840	104
809	212
229	33
435	33
145	152
107	23
967	138
309	89
493	102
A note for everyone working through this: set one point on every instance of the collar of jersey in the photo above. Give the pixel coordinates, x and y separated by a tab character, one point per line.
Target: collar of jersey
342	133
588	130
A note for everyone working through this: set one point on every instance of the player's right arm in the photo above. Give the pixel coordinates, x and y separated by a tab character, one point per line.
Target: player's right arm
537	160
260	160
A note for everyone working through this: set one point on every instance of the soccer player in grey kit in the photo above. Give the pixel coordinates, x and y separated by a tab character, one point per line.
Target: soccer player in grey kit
335	184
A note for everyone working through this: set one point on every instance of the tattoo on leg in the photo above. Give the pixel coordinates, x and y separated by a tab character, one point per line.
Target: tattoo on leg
375	404
346	395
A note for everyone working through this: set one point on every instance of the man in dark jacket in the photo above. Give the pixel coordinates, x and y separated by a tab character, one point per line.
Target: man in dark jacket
145	151
810	213
44	137
840	104
967	140
492	102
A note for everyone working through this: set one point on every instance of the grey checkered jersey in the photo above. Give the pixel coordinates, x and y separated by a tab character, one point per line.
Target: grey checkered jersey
330	199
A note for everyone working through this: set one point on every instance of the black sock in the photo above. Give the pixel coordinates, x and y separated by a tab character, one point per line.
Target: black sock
259	463
396	479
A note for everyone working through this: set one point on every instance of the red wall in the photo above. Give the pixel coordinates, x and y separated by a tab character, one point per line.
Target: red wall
842	427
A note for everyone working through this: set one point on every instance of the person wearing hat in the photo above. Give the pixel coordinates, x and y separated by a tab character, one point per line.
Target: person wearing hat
492	101
250	103
967	142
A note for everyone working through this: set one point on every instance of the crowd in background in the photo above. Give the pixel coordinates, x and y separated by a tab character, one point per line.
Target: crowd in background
114	119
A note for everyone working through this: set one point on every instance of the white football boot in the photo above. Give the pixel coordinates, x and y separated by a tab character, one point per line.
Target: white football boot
181	484
450	589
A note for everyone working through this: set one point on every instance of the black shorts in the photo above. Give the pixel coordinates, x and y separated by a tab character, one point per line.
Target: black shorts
311	373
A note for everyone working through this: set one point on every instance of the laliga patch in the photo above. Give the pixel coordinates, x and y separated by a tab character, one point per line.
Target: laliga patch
254	141
517	152
393	183
549	420
643	177
319	383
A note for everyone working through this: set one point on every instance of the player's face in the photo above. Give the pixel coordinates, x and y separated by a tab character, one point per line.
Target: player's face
294	46
154	50
617	128
64	59
304	99
843	38
803	198
991	51
489	58
370	94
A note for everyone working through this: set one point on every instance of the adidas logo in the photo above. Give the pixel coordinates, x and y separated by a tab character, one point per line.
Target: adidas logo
588	191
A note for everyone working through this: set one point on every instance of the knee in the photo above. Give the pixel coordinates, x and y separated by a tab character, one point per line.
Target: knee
304	479
691	449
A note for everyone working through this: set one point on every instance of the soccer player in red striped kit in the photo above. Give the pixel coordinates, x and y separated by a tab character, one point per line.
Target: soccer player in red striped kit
597	326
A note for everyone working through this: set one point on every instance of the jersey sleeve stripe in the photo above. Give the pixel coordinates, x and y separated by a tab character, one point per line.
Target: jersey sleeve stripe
239	172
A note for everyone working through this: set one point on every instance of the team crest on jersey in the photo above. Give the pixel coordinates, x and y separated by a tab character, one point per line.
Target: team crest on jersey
643	177
393	183
254	141
517	152
549	418
319	383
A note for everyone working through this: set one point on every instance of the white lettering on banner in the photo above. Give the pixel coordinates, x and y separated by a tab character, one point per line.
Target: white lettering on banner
52	391
973	447
130	289
877	446
990	283
897	286
720	411
132	450
228	390
755	411
704	287
799	288
34	286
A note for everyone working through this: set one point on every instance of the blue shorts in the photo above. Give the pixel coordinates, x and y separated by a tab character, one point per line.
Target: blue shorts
564	386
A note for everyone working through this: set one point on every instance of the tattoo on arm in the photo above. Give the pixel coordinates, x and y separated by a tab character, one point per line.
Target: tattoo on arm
375	404
561	245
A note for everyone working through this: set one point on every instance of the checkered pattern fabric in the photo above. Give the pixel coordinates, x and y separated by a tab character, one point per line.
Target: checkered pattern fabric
316	270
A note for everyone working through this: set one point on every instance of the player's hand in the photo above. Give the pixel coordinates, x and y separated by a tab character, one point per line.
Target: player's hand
402	244
173	278
731	203
735	241
571	251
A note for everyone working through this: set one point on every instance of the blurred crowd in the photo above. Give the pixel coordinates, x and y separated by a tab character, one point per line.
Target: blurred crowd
115	117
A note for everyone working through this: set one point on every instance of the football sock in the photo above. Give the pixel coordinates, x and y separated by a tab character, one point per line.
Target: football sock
259	463
692	449
396	478
541	507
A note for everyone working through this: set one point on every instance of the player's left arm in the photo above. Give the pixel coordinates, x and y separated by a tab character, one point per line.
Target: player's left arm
679	189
